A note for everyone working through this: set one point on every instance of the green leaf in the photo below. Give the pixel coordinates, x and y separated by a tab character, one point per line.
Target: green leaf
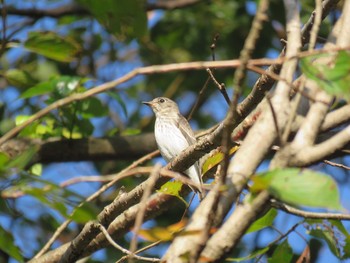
333	78
39	89
4	159
84	126
334	233
20	119
7	245
299	187
84	213
131	131
125	19
250	256
19	78
262	222
22	160
215	159
282	253
92	107
47	197
172	188
36	169
53	46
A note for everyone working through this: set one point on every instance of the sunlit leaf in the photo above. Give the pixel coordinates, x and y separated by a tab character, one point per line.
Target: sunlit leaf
131	131
7	245
216	159
299	187
71	134
172	188
334	78
51	45
36	169
20	119
35	129
265	221
163	233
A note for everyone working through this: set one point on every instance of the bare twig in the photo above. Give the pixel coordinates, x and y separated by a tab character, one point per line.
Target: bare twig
339	165
306	214
141	213
125	251
140	250
221	86
205	86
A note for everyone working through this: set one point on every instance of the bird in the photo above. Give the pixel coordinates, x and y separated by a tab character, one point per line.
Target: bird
174	134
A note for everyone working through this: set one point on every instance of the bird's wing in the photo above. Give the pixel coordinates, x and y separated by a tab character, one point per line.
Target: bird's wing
186	130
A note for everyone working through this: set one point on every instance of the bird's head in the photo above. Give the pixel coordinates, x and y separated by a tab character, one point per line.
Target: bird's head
162	106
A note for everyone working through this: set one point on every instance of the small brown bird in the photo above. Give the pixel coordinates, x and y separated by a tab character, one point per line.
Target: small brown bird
174	134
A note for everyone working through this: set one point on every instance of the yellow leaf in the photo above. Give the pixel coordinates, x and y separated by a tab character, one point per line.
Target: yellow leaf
216	159
172	188
162	233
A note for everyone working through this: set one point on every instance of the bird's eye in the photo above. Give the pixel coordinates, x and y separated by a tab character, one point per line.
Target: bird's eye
162	100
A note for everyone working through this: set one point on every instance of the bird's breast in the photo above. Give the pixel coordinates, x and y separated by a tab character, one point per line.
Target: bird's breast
170	140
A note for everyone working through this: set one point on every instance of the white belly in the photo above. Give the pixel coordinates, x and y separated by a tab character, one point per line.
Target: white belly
170	140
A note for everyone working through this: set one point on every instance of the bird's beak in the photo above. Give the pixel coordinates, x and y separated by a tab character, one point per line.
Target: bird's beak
148	103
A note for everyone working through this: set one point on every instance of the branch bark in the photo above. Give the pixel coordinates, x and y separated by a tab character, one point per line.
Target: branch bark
86	149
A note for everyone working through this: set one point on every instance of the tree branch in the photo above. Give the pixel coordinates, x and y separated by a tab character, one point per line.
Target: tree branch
86	149
74	9
306	214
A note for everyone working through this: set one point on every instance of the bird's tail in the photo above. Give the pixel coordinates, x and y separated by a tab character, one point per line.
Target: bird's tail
195	175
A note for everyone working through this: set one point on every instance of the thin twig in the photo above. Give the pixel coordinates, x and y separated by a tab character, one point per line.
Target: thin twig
141	213
125	251
306	214
221	86
205	86
337	164
316	24
141	250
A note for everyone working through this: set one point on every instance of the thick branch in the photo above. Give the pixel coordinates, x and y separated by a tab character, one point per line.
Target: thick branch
87	149
322	150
